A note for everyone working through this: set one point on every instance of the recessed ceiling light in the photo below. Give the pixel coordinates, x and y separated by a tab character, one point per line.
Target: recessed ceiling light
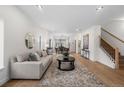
40	7
77	29
99	8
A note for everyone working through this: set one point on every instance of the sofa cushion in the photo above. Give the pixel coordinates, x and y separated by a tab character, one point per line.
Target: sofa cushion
34	57
46	60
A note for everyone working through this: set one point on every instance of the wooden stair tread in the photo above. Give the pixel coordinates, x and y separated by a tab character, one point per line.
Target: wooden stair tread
121	57
121	60
121	67
121	63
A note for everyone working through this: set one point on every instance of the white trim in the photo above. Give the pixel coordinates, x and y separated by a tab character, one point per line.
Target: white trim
2	44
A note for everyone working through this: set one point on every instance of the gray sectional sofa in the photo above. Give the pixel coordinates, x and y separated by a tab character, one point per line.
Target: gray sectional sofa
29	69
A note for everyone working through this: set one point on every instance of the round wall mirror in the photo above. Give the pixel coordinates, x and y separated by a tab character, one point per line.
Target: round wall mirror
29	40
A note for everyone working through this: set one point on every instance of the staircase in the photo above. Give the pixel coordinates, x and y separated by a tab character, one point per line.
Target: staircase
121	62
112	51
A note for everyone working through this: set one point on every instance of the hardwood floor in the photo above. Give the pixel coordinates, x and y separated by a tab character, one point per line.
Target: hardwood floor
21	83
107	75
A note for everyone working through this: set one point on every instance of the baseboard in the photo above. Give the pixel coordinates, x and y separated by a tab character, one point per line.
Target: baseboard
3	81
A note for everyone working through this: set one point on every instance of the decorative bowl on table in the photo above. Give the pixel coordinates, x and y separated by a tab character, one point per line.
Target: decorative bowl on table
65	55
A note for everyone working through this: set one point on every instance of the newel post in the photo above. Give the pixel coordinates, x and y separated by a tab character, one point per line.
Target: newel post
116	58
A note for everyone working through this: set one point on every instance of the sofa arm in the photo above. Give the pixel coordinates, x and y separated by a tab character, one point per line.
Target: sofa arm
26	70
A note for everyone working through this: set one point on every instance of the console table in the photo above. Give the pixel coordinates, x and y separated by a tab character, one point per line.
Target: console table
85	53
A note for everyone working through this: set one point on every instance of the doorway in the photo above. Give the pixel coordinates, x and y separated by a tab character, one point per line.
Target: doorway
79	46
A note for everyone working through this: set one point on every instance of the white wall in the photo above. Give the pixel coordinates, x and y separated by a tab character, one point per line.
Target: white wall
16	25
1	44
115	27
96	52
44	38
90	31
1	47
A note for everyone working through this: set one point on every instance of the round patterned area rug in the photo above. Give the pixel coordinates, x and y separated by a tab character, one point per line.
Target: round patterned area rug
79	77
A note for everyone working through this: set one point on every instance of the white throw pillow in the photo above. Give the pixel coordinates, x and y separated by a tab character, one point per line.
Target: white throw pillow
44	53
20	58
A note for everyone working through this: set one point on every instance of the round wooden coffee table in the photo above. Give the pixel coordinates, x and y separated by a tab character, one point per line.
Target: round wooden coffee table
70	60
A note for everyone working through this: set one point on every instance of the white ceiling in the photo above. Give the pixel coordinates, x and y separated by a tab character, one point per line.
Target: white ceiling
62	18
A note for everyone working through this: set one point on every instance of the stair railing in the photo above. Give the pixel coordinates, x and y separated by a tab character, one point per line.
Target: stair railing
102	29
113	51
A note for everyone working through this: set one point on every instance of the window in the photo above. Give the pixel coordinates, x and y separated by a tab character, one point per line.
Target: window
1	44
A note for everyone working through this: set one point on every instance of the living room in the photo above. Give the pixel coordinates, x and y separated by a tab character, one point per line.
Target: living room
53	31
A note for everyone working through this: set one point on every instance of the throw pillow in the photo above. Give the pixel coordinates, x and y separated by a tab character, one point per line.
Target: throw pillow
40	53
20	58
34	57
44	53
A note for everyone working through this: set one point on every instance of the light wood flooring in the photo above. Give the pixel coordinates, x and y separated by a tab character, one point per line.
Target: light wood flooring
107	75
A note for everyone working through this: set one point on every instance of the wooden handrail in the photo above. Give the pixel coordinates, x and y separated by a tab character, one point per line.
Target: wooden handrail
108	43
112	35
